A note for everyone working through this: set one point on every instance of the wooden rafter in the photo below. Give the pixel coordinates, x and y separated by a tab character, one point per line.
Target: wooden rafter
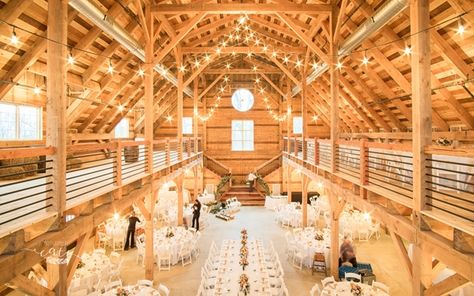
247	8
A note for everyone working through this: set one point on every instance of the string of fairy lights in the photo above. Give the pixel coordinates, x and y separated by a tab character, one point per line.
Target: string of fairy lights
242	34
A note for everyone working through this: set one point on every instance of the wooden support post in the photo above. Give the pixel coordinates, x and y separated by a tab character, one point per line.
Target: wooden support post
56	267
289	117
204	125
364	168
288	182
56	104
76	256
195	115
304	198
334	80
304	115
179	107
316	152
149	119
30	287
179	187
463	241
195	175
334	262
422	124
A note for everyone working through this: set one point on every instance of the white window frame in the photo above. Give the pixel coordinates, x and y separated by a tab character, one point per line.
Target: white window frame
296	124
39	122
187	128
117	134
251	145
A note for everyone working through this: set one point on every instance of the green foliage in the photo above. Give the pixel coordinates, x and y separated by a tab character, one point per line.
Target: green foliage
224	180
262	183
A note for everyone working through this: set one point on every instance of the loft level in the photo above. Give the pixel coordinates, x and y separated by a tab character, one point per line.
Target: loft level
92	170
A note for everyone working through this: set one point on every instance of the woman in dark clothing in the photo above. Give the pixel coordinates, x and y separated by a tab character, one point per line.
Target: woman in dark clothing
196	213
132	221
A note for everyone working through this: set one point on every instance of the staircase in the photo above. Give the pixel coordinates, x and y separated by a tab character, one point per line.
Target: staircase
246	198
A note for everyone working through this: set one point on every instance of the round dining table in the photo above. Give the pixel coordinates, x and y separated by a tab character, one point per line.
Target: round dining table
133	290
344	289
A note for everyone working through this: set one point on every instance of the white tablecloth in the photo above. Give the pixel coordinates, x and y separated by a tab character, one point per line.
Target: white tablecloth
227	280
272	202
344	289
96	267
206	198
173	244
305	241
135	291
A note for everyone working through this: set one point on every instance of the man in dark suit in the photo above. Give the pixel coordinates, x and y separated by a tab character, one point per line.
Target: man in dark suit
132	221
196	213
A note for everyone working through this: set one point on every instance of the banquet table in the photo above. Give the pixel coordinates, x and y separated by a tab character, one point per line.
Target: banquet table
228	274
273	201
134	290
180	236
96	266
344	289
305	240
206	198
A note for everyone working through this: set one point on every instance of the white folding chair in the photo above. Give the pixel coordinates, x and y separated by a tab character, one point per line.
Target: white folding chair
327	281
163	290
145	283
381	287
353	277
113	285
315	290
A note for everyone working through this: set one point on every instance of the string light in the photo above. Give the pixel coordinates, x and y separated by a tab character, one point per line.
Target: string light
110	69
407	50
228	66
14	39
315	65
461	29
70	59
182	68
36	90
339	65
365	60
298	63
120	108
141	72
315	117
169	118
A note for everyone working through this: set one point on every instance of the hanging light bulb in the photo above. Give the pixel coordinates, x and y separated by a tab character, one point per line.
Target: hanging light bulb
274	54
315	117
141	72
461	29
286	60
14	39
36	90
242	20
257	42
249	55
257	80
110	69
226	78
120	108
265	48
298	63
169	118
315	65
254	68
182	68
407	50
207	58
234	53
70	59
224	43
365	60
339	65
197	63
218	50
228	66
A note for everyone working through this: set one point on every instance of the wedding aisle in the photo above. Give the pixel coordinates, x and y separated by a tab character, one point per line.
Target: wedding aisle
260	224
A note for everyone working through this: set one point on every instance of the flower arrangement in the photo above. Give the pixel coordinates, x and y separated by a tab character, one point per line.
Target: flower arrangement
318	237
243	231
80	264
244	283
243	262
122	292
169	233
356	290
244	251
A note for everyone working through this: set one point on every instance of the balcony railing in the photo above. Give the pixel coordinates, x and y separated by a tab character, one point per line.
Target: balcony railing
387	169
26	174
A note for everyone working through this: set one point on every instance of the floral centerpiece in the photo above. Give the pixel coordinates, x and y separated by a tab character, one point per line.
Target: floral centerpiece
356	290
169	233
318	237
122	292
80	264
244	251
243	262
244	284
243	236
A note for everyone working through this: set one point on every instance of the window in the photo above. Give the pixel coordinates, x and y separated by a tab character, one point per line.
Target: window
122	129
242	100
20	122
242	135
187	125
297	125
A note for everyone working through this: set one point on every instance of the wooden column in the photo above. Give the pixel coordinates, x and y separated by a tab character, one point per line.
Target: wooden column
56	267
288	182
422	123
304	199
195	175
304	116
56	124
150	198
334	89
179	186
289	117
179	107
195	114
204	125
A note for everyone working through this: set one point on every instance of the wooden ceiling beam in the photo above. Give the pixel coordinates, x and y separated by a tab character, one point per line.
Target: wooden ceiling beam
210	86
239	71
284	69
241	8
27	59
177	39
226	20
242	49
315	48
161	95
275	87
10	12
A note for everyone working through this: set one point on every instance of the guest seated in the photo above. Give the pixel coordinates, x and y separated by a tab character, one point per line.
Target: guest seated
347	254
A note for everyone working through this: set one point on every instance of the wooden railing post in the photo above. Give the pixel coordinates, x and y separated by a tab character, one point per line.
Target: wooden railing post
364	167
188	147
168	152
295	146
118	166
316	151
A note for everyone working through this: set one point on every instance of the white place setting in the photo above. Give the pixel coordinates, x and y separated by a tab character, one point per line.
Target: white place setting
174	244
302	244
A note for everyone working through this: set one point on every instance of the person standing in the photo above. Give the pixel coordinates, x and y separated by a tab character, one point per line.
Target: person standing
132	222
251	179
196	213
